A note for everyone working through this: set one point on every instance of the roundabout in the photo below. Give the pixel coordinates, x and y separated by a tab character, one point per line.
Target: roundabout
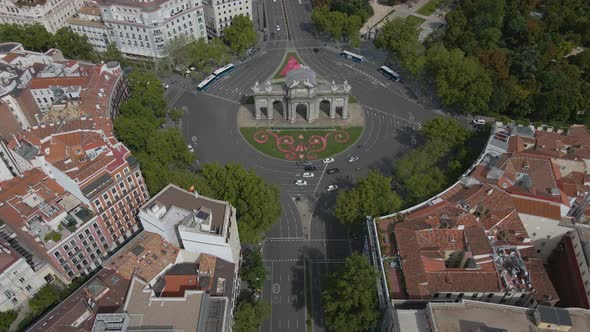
381	127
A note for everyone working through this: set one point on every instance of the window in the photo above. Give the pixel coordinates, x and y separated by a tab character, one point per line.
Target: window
21	280
490	296
448	296
28	288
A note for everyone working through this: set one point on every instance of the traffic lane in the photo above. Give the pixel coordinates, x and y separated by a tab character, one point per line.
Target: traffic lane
283	290
368	86
239	82
289	224
299	14
276	17
316	250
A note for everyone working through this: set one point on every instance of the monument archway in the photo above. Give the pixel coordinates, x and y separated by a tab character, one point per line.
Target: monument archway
302	110
278	107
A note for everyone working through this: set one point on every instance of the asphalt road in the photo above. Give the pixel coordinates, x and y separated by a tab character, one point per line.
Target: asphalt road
392	120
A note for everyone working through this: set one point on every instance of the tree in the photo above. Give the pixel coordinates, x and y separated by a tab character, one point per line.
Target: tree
45	298
112	53
362	8
249	316
400	37
205	56
148	90
73	45
443	130
461	81
350	299
372	196
34	37
175	114
253	271
6	319
256	202
240	35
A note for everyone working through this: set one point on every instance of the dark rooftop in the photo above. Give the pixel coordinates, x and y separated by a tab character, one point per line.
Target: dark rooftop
554	315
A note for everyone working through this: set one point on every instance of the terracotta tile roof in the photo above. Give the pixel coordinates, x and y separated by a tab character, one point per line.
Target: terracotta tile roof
8	58
29	106
7	258
89	10
46	82
545	292
9	125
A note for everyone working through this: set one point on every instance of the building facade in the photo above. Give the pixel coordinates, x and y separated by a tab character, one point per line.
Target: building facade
146	28
88	22
52	14
193	222
220	14
18	281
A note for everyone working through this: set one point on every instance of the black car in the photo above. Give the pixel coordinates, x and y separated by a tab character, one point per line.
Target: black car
309	168
316	50
303	163
332	170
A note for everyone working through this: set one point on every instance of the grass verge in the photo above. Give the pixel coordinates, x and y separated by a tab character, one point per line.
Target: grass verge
284	63
352	99
415	19
309	317
429	8
301	146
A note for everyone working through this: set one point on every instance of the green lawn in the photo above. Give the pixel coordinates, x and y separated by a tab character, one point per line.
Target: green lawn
284	63
300	143
416	19
429	8
352	99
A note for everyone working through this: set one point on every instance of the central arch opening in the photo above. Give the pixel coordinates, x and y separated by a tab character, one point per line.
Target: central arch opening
325	107
301	110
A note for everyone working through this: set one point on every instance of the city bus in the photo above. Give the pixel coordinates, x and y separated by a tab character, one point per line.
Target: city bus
205	84
389	73
352	56
224	70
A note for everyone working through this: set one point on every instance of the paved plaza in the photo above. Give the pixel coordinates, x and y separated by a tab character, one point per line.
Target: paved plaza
307	229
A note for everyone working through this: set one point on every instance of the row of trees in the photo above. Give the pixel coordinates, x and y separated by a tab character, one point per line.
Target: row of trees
165	158
36	38
514	58
341	18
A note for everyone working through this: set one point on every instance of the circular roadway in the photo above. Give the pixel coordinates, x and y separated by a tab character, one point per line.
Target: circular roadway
392	119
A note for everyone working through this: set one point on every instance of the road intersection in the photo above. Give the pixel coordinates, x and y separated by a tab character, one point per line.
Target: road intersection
392	119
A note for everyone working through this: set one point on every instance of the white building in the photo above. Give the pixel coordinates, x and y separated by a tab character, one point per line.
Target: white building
145	28
18	281
220	14
52	14
193	222
88	22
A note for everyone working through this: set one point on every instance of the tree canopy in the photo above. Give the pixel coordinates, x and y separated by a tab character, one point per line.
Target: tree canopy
444	130
45	297
252	270
400	37
6	319
372	196
338	24
240	35
249	316
257	203
350	298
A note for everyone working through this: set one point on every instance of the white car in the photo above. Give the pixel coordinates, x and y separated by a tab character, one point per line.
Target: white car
308	175
352	159
190	148
278	28
478	122
301	182
328	160
332	187
166	86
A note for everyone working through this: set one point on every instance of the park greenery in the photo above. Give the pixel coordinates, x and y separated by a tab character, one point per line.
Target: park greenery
257	203
35	37
6	319
249	315
350	298
240	35
372	196
341	18
302	137
202	55
252	270
518	59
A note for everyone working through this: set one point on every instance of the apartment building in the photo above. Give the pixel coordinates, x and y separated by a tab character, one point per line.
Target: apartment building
146	28
88	22
52	14
54	224
193	222
220	14
18	281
